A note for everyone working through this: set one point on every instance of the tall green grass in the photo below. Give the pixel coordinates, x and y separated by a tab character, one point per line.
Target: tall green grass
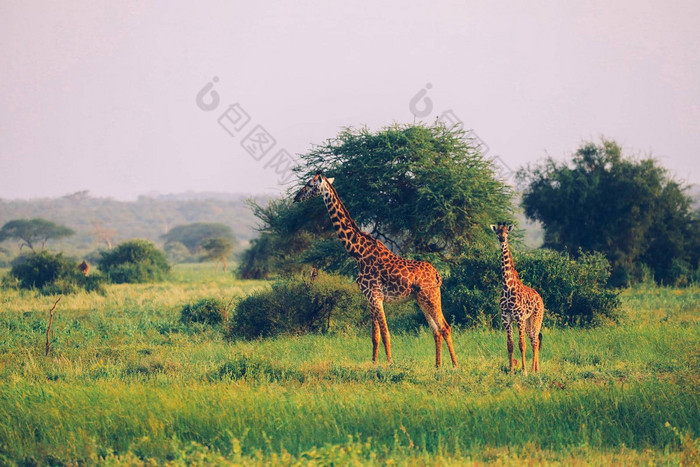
68	421
127	382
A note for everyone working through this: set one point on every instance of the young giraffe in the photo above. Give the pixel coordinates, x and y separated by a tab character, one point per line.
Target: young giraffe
519	304
383	276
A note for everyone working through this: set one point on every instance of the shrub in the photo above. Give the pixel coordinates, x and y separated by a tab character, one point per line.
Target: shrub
207	311
51	274
296	305
573	291
134	261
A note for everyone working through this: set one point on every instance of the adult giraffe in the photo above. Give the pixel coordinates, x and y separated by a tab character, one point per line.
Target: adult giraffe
384	276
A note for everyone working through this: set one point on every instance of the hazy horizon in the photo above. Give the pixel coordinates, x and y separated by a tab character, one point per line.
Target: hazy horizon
132	98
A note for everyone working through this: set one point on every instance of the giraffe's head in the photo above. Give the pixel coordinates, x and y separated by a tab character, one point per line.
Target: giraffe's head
312	188
502	230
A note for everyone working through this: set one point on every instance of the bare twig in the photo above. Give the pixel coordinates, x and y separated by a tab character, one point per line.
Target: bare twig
48	331
228	307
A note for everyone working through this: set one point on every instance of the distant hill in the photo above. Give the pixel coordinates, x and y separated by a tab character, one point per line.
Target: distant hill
149	217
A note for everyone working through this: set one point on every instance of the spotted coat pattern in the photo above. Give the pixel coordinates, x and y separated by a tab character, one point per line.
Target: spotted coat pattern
384	276
520	305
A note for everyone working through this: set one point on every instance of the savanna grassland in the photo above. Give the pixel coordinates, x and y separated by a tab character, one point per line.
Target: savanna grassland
127	383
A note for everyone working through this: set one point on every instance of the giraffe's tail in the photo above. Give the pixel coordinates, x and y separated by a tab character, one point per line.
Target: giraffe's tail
539	339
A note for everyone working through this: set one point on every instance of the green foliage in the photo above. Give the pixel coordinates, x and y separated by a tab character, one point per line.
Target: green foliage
287	231
419	189
51	274
329	254
194	235
33	231
259	260
297	305
573	290
217	249
5	257
424	187
207	311
176	252
630	210
134	261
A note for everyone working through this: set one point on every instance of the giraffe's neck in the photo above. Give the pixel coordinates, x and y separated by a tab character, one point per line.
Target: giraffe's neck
349	234
508	272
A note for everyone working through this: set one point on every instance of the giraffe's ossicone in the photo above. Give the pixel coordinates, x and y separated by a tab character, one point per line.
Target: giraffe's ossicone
520	304
384	276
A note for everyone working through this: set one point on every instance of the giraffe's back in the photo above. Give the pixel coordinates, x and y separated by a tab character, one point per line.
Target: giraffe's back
398	278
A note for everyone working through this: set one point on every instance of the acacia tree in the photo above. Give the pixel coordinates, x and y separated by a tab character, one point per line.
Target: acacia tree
194	235
217	249
31	232
630	210
425	191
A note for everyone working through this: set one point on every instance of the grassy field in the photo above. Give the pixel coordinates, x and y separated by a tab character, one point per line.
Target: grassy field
126	383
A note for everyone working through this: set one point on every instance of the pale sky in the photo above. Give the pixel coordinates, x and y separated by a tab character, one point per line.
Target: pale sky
102	96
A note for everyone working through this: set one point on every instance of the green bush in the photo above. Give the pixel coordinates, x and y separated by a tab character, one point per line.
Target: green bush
134	261
207	311
573	291
296	305
51	274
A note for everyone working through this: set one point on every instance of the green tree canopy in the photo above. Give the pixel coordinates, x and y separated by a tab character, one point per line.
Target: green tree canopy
628	209
195	234
422	190
31	232
217	249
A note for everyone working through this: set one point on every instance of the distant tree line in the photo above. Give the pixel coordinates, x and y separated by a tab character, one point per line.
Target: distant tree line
133	261
103	222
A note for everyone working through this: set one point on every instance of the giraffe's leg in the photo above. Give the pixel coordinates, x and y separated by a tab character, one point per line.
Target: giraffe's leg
521	343
381	329
438	349
446	330
384	329
429	302
509	334
375	339
538	317
447	334
534	342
